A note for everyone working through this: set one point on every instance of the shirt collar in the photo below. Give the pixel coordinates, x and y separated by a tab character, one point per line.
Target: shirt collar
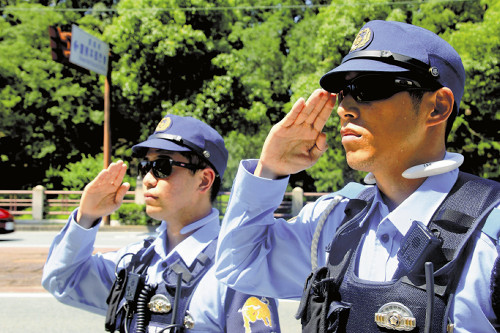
421	204
205	230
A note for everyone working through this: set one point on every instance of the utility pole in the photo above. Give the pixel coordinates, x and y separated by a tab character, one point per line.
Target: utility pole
79	49
107	120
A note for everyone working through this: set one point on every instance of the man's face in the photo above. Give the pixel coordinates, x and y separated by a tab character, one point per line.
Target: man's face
171	198
381	135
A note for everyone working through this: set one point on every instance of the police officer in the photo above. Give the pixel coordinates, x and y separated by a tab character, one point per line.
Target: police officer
394	255
165	284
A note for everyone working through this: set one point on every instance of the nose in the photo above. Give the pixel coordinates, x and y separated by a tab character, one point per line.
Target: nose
149	180
348	108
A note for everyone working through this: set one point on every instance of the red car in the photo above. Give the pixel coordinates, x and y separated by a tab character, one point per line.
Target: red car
7	223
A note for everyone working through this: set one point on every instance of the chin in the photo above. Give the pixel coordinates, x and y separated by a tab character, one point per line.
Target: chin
359	162
154	213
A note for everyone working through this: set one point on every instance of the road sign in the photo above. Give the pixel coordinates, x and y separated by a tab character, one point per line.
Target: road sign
88	51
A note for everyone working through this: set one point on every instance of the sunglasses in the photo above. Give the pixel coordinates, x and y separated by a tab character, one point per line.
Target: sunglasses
374	87
162	168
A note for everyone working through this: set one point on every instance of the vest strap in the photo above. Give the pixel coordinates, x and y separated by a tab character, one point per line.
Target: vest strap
350	191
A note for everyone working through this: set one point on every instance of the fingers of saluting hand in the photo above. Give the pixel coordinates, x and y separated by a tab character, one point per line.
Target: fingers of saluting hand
112	177
315	112
294	113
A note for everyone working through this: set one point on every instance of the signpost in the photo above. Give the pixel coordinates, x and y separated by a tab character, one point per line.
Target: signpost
92	53
89	52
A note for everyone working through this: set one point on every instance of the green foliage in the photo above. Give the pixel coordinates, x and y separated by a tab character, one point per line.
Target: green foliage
237	65
47	110
132	214
476	132
76	175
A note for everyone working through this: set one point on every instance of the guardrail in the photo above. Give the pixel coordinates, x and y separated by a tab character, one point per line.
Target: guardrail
42	204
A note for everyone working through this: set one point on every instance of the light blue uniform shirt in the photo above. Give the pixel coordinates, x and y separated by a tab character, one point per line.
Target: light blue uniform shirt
258	253
78	278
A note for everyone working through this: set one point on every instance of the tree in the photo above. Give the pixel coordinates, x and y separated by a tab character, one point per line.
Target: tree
238	65
48	111
476	131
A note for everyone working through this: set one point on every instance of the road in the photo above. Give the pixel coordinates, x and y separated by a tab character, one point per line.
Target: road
27	307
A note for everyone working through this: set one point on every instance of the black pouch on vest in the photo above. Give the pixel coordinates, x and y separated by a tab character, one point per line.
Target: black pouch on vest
316	311
113	300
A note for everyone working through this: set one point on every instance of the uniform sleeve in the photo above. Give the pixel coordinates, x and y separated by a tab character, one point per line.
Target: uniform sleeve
75	276
473	294
258	254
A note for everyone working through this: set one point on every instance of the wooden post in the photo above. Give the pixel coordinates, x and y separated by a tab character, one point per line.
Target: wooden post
107	129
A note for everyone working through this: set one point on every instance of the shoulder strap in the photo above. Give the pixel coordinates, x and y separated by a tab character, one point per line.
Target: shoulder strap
349	234
138	264
463	211
350	191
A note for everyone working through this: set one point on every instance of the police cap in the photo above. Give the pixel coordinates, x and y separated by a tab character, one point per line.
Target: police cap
395	47
178	133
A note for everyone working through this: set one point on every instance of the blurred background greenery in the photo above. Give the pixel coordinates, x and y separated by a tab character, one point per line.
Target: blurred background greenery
238	65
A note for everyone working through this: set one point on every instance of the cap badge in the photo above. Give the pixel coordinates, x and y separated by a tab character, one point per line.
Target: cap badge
164	124
362	40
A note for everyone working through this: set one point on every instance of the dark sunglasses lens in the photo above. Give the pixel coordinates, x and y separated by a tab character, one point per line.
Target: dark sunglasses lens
162	168
370	88
144	167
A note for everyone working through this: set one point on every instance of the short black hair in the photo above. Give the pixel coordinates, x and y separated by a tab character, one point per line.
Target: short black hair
416	99
202	163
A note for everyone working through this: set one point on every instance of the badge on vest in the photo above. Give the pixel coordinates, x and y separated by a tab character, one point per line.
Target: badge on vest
255	309
159	304
395	316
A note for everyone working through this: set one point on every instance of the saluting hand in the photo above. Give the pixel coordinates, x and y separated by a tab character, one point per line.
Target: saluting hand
103	195
297	142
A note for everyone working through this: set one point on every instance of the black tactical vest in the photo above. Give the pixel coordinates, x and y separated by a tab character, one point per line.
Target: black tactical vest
336	300
152	308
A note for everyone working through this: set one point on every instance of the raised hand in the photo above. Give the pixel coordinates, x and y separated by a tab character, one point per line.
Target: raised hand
103	195
297	142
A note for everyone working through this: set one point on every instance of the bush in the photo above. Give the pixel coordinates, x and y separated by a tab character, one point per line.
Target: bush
133	214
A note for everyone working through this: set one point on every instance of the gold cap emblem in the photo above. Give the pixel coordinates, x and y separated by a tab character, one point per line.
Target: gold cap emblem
164	124
362	40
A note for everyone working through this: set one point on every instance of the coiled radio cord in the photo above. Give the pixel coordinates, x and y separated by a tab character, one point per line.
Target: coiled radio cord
142	303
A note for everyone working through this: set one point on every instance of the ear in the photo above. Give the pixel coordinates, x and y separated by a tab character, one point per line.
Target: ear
443	100
207	177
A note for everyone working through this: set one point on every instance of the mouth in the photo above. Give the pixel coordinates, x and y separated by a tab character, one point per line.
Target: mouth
347	132
149	196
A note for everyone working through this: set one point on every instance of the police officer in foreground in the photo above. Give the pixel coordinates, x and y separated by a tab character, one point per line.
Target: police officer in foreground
414	249
164	284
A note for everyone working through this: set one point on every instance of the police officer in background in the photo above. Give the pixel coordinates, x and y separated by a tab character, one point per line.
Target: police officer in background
165	284
414	248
